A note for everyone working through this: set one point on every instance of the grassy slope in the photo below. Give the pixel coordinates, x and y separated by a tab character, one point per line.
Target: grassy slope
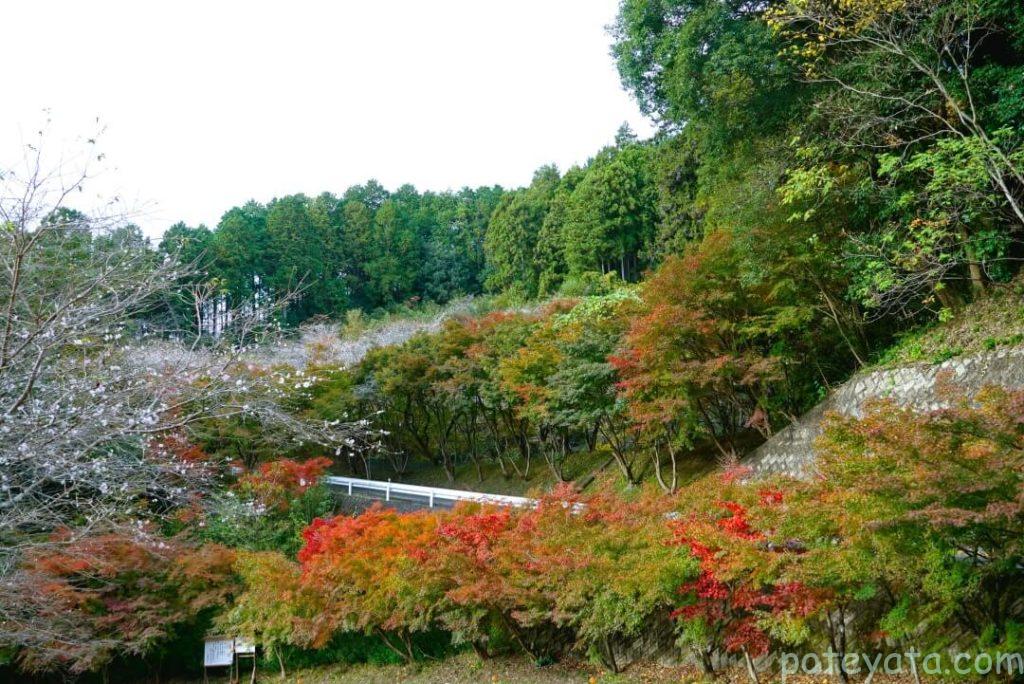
541	478
993	322
989	323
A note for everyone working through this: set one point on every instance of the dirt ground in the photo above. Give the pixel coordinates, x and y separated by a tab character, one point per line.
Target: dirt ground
468	669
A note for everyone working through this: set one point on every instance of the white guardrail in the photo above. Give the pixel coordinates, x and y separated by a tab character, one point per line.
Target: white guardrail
428	497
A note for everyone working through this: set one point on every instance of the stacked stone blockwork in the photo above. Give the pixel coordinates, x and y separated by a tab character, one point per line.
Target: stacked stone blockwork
791	450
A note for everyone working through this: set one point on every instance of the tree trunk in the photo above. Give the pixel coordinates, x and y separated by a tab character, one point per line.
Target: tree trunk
518	637
592	438
837	637
620	459
610	655
407	642
751	670
405	655
837	319
973	266
671	487
704	655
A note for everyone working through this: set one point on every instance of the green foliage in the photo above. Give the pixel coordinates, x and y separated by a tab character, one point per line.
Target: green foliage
596	219
512	235
714	65
992	322
353	648
266	609
610	215
242	524
964	504
302	246
367	249
827	177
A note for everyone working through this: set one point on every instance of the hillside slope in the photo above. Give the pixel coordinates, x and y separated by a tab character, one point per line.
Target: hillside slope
791	450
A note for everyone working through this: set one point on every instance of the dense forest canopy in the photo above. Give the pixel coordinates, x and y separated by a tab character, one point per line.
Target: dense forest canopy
368	248
372	249
864	158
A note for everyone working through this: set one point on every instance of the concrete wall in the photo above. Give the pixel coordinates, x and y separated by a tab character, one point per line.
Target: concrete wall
791	450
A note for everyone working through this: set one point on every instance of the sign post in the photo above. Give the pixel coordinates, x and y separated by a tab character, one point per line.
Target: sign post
219	652
245	648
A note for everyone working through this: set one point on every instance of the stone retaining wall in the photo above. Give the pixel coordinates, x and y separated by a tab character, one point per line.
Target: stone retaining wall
791	450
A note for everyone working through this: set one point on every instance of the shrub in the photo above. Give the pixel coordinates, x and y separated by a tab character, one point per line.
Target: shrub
605	563
98	597
277	483
933	499
740	596
243	524
369	577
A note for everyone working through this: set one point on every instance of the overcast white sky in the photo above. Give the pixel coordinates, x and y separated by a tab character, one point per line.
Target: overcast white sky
208	104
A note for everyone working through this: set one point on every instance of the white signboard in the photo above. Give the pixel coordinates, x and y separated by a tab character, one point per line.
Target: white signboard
218	652
245	646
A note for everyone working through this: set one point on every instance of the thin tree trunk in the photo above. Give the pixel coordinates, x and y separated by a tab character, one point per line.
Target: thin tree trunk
612	665
656	453
518	637
834	315
751	670
704	655
620	458
404	655
973	266
407	642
